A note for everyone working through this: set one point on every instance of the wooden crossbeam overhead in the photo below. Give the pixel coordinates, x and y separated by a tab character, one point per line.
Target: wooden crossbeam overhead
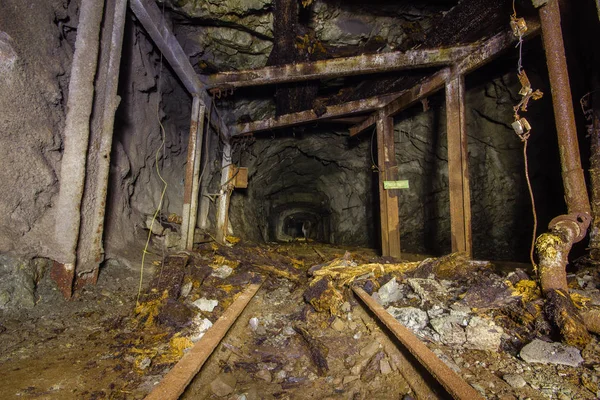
482	55
302	117
161	33
405	100
338	67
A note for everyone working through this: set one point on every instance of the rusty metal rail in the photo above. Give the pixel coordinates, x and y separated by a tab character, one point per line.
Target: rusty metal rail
175	382
454	384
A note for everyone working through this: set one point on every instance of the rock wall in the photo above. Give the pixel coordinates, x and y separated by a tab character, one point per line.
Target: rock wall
36	48
319	175
502	217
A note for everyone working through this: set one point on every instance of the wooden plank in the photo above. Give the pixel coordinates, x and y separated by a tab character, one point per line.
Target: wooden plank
227	185
175	382
189	172
405	100
388	200
339	67
458	166
482	55
161	33
452	382
302	117
196	179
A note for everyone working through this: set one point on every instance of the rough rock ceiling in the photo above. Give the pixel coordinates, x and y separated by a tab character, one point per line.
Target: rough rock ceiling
234	35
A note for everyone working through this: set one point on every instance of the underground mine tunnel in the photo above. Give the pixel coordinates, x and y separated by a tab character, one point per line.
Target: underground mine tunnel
285	199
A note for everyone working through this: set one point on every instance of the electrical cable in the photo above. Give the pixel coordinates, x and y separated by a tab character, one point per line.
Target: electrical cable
165	185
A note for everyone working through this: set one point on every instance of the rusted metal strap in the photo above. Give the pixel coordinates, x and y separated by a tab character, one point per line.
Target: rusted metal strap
454	384
175	382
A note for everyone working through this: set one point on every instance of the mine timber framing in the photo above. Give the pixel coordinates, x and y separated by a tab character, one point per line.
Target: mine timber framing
302	117
482	55
192	175
161	33
340	67
388	199
76	140
227	169
458	166
90	249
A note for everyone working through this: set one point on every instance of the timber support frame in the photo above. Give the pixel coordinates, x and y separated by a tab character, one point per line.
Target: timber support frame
458	166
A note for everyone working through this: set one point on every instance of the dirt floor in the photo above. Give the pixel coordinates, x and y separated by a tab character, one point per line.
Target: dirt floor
303	336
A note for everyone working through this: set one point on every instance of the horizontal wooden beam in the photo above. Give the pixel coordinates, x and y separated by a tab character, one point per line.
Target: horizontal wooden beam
338	67
303	117
482	55
161	33
405	100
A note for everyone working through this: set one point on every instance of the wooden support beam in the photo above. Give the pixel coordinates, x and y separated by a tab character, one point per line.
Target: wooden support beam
227	185
338	67
482	55
174	383
192	174
458	166
90	249
405	100
207	172
161	33
303	117
76	140
388	199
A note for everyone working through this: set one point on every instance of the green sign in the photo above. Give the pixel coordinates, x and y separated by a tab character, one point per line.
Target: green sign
395	184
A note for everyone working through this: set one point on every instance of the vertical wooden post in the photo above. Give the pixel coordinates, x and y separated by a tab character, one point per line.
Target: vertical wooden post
90	249
192	171
206	173
224	194
196	180
76	140
458	166
388	199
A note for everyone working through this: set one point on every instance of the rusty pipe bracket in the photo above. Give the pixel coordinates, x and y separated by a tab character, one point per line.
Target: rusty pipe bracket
580	221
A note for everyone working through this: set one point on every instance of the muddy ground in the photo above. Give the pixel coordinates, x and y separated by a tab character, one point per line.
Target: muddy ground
107	344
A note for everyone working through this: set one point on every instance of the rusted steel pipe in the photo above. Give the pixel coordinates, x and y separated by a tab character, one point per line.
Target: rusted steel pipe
553	247
576	194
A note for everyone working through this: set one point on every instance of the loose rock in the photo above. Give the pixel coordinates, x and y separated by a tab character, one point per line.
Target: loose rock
384	367
411	317
542	352
264	375
205	304
483	334
338	325
223	385
449	329
514	380
222	272
429	290
390	292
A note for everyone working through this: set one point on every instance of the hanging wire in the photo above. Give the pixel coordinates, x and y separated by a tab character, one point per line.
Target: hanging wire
519	27
157	163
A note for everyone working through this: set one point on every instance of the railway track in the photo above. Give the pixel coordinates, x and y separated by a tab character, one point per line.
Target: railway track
427	376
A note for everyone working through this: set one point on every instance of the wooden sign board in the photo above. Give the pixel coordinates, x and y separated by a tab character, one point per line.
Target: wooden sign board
241	178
